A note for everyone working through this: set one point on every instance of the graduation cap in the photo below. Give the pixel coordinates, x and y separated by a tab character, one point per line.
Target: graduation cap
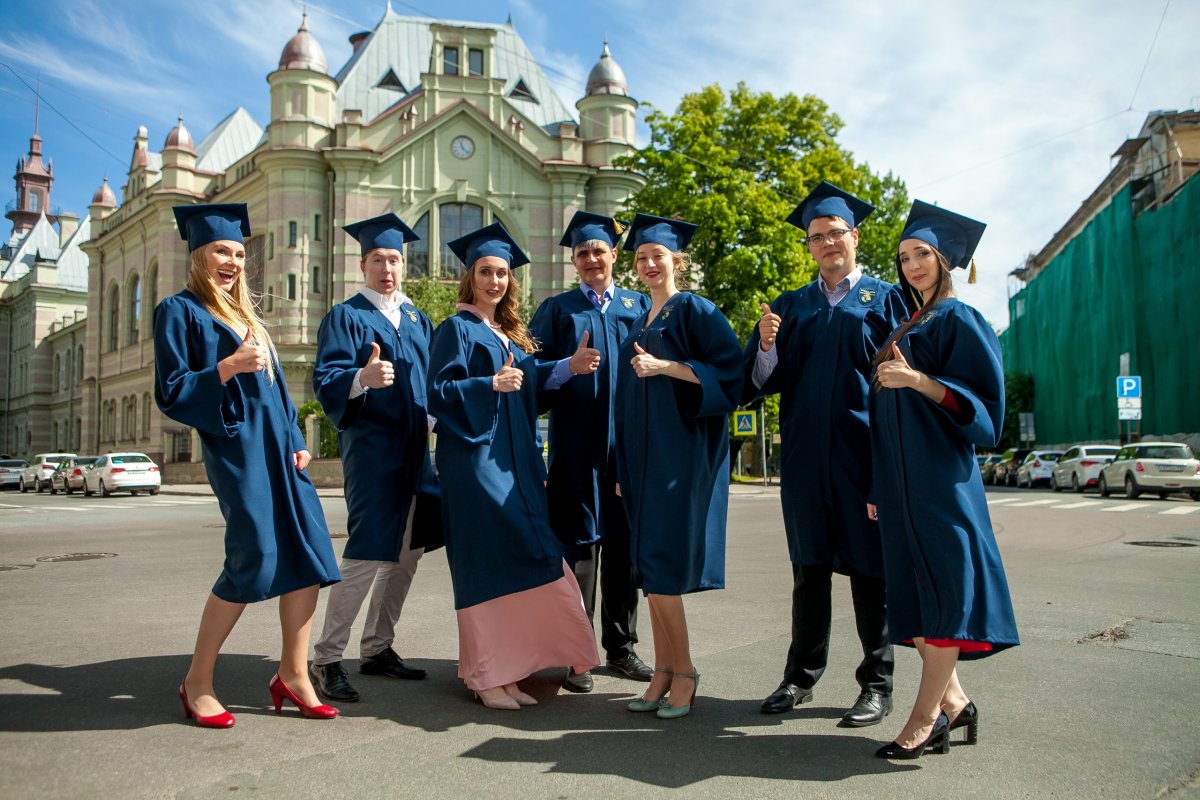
385	231
586	226
212	222
673	234
827	200
954	235
493	240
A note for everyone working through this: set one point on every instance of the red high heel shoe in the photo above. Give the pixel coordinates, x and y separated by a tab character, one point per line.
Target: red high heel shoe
222	720
279	690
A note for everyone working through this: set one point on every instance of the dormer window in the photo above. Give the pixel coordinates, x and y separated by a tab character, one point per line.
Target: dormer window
521	92
390	81
450	60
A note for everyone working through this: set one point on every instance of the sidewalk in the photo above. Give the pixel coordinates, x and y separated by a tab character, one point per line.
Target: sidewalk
204	490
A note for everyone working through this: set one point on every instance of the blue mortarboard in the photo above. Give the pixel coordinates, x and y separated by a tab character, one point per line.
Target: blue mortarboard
212	222
386	230
827	200
494	240
673	234
586	226
954	235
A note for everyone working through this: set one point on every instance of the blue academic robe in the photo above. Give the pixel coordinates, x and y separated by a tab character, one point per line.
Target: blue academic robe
582	432
489	460
276	540
822	378
945	579
384	433
673	447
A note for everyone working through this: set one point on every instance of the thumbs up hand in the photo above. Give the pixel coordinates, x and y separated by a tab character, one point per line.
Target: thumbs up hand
585	359
249	357
646	365
768	327
896	373
376	373
509	378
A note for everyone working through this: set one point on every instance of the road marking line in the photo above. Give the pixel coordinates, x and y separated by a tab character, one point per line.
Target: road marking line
59	508
1085	504
1004	500
1181	510
1126	507
6	505
1033	503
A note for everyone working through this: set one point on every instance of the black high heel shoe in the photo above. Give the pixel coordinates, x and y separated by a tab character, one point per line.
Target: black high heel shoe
967	718
938	739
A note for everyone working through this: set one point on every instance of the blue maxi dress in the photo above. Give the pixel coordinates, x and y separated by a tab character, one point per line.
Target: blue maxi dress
276	540
673	446
945	579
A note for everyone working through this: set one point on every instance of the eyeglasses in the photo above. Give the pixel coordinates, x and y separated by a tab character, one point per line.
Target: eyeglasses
833	237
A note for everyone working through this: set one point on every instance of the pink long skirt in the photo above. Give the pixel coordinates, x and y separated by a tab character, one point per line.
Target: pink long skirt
508	639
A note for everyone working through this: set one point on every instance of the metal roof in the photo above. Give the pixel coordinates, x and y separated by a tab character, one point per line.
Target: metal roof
231	140
404	45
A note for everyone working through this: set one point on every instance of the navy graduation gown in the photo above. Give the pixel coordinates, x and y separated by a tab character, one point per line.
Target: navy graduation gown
276	540
489	460
673	447
384	433
945	579
582	433
822	378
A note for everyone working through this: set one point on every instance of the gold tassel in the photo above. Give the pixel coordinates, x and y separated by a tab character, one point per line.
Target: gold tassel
971	274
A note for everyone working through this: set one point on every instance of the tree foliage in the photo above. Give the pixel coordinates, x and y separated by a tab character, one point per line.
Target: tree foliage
437	299
1018	399
737	165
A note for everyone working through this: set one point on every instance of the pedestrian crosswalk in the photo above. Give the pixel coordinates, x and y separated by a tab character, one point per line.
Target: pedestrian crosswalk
1106	506
99	505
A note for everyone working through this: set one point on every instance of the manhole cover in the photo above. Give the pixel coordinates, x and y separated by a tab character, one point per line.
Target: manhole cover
76	557
338	535
1162	544
11	567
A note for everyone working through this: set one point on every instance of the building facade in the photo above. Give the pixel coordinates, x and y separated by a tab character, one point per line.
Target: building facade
449	125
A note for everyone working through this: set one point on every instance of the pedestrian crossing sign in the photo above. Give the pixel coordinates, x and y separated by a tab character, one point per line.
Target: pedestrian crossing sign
743	423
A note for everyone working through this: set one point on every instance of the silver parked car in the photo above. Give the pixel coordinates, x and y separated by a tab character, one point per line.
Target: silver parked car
1036	467
37	475
1158	467
1079	467
68	478
10	472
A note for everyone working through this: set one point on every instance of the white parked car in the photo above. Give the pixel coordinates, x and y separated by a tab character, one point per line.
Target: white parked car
1079	467
1036	467
37	475
122	472
1159	467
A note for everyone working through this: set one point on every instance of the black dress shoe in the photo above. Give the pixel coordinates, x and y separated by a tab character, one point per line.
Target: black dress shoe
938	739
331	682
967	718
870	709
390	664
631	667
785	698
578	682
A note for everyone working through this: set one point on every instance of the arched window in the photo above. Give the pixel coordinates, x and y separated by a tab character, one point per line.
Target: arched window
151	289
79	364
57	373
114	318
146	415
455	220
133	309
417	257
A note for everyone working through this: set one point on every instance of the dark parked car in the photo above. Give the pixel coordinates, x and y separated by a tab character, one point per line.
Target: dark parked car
1005	471
68	478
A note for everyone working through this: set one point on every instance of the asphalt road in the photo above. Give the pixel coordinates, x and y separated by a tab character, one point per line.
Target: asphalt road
1100	701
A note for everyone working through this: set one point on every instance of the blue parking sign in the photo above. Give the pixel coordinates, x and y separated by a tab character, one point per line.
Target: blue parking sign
1129	386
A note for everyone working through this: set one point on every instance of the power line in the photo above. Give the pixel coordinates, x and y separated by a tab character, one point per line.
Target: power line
66	119
1149	52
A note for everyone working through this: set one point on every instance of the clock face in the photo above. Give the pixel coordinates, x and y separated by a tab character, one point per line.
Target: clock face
462	147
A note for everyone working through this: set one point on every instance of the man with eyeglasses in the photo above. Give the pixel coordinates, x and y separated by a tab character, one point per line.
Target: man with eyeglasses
813	346
581	329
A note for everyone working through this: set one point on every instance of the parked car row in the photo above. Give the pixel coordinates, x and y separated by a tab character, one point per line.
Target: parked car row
70	473
1144	468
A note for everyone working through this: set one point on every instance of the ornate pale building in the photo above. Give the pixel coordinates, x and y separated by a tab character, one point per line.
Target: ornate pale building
451	125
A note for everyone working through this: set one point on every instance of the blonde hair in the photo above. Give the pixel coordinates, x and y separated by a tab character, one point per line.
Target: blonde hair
237	308
508	312
681	261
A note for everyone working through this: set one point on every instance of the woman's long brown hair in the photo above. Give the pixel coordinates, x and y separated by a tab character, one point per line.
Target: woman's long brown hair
943	289
508	312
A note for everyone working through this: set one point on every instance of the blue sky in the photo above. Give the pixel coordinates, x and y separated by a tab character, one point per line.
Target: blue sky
1007	112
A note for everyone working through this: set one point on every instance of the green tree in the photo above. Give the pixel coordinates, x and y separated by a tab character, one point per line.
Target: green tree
435	298
737	165
1018	399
